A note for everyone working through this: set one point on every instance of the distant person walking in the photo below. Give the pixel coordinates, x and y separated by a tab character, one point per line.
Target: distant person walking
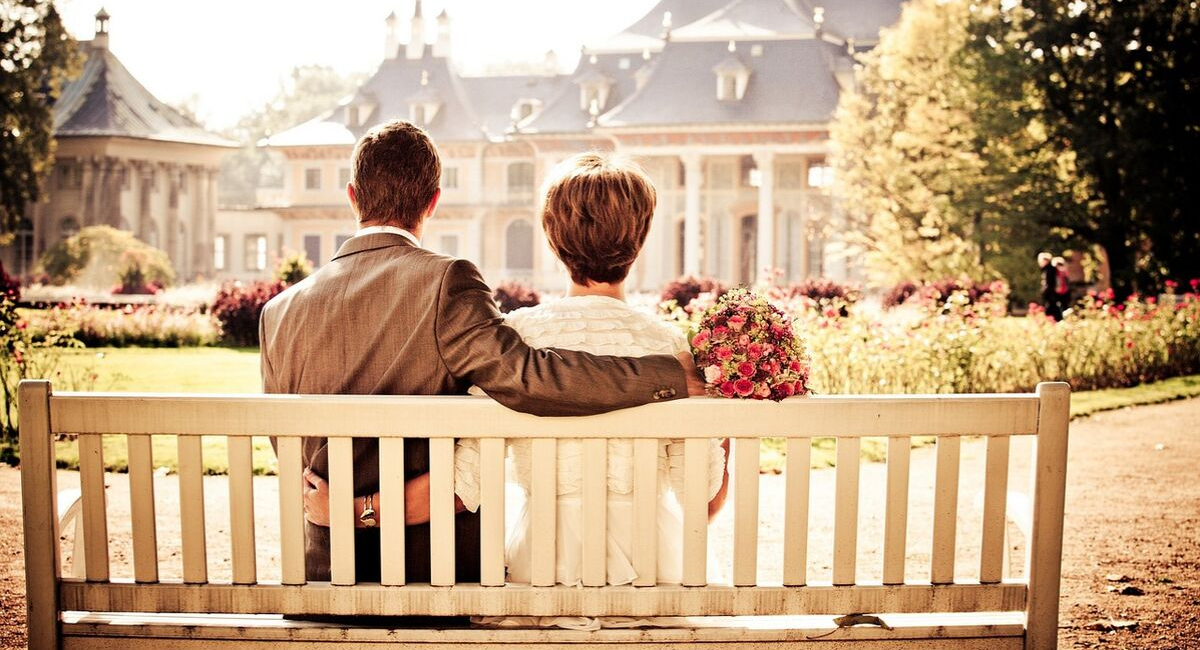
1062	285
1049	286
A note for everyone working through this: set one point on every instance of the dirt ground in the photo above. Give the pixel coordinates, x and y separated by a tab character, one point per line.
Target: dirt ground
1132	525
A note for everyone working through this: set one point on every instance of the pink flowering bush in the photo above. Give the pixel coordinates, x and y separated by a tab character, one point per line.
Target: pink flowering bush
746	348
147	325
238	307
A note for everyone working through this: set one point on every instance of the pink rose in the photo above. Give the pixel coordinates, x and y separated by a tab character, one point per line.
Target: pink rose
700	339
724	353
713	374
744	387
728	389
720	332
745	369
737	323
762	390
788	388
744	340
755	351
795	366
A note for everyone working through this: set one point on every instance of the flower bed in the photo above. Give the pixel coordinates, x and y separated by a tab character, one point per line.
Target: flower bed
956	346
141	325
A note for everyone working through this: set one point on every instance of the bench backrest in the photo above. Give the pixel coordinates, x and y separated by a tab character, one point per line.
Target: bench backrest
848	419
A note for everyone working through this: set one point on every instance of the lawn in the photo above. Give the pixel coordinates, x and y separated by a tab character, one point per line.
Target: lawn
229	370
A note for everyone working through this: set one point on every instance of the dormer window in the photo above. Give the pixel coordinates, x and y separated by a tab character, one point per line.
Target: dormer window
358	113
524	109
732	77
424	105
594	89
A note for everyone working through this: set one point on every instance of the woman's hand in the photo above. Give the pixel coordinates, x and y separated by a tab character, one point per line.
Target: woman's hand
316	498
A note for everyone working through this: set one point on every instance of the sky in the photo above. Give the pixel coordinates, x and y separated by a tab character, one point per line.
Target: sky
223	58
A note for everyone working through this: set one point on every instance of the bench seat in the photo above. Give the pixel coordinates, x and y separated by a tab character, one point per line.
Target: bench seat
1002	630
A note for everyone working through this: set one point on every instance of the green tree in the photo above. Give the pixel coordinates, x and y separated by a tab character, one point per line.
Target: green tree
938	177
102	256
308	91
36	57
1116	85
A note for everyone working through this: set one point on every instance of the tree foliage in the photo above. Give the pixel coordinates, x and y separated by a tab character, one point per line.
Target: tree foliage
308	91
933	189
36	57
1115	85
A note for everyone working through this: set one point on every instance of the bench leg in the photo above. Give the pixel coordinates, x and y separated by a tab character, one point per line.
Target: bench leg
38	496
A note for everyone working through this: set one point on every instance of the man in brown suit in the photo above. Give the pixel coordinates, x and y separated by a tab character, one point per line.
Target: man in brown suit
386	317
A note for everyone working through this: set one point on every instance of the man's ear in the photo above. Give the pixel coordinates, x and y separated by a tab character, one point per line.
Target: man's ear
437	196
353	199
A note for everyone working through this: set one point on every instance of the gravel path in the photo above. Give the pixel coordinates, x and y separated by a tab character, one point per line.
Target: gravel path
1133	510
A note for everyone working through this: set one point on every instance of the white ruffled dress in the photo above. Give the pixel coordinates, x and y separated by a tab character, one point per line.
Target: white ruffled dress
602	326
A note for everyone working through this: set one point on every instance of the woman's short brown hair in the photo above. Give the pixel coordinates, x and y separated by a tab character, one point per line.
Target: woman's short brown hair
596	212
397	171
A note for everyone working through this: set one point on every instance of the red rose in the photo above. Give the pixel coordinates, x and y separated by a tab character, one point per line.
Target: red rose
728	389
746	369
744	387
720	331
737	323
795	366
787	388
724	353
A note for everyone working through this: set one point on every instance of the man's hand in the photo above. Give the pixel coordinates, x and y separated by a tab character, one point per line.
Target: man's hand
316	498
695	383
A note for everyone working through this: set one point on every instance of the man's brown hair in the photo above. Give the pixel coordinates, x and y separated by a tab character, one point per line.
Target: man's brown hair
397	171
596	213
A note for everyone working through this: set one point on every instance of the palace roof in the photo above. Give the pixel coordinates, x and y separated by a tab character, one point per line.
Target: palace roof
743	19
495	98
857	20
564	112
107	101
790	81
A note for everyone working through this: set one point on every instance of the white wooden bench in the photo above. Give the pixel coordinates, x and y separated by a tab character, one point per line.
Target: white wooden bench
96	611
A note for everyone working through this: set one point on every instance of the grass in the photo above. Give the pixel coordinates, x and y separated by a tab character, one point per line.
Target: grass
229	370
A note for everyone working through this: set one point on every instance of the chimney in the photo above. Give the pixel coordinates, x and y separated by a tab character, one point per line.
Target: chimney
441	47
550	61
416	40
391	42
100	40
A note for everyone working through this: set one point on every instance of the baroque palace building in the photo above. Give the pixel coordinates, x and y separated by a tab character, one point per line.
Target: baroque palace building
726	104
126	160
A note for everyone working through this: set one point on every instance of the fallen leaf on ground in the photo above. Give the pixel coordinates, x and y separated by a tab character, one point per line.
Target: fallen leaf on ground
1111	624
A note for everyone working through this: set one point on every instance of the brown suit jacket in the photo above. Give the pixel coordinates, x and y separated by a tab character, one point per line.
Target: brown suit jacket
385	317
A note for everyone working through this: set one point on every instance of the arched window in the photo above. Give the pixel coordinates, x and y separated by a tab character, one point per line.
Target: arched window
67	227
518	246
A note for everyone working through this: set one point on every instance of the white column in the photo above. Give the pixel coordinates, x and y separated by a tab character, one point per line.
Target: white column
692	178
765	259
476	243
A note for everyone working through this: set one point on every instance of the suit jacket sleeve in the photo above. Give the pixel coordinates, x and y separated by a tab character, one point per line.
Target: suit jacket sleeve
477	347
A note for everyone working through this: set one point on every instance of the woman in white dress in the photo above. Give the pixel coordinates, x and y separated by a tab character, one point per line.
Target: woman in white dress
596	213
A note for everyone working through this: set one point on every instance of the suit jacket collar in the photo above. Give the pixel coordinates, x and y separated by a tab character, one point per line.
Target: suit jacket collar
370	242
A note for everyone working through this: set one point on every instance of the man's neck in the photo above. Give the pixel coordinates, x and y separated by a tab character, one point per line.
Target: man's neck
614	290
416	231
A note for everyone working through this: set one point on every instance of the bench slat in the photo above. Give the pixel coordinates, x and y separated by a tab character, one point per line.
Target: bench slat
491	490
795	514
995	494
644	536
595	512
391	519
945	510
241	509
95	518
543	512
895	524
441	512
191	509
695	512
379	416
341	510
745	527
141	509
845	519
465	599
291	510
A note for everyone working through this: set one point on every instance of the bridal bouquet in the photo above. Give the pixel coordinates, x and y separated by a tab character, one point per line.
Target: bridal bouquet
746	348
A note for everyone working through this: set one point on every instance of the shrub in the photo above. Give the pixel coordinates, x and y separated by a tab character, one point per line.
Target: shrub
141	325
292	268
10	287
132	275
899	294
684	289
23	355
101	256
511	295
238	307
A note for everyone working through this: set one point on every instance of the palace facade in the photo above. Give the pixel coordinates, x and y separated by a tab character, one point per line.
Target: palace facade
127	160
726	104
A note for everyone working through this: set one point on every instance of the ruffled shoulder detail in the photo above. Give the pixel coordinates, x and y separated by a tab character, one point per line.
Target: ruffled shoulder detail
597	325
